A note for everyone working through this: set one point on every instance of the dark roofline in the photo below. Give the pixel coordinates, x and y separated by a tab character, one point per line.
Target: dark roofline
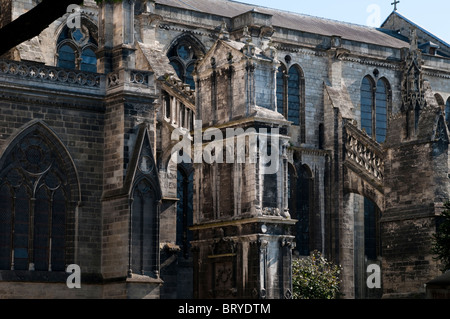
374	36
416	26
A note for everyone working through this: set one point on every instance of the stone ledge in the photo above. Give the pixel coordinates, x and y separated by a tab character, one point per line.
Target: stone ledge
143	279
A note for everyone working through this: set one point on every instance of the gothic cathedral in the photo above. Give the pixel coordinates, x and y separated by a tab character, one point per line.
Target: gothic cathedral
192	149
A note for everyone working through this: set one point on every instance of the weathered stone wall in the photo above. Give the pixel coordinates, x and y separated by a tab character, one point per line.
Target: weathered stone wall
411	207
98	126
78	123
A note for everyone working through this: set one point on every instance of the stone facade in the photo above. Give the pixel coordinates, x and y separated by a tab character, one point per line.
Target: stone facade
354	119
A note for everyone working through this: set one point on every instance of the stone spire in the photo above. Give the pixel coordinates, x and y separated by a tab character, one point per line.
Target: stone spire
413	88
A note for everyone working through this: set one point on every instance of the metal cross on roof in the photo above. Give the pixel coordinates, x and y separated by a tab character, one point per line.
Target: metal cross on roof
395	4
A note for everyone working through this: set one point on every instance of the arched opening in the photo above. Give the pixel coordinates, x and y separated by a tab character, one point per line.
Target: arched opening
37	206
281	89
76	47
367	105
375	107
294	95
381	110
183	54
301	207
144	229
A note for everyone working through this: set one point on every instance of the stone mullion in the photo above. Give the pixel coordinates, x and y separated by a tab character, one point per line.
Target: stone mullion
141	235
130	239
31	234
50	233
13	220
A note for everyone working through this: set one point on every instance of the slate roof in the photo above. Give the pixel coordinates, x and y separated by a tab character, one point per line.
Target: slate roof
415	25
290	20
427	38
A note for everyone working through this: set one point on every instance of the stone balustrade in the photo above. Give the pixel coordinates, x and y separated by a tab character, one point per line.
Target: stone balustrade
364	152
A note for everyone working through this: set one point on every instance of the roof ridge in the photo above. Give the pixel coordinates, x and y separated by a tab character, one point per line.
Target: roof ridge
419	27
302	14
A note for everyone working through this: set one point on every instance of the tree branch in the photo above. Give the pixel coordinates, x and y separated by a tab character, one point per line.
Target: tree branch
32	23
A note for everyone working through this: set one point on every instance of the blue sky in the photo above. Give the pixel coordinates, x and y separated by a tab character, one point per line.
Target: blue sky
432	15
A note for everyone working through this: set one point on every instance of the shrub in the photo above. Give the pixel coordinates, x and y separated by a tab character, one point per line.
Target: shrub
314	277
441	240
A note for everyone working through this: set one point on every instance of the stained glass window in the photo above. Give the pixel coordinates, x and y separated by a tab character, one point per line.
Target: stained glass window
280	89
374	108
143	228
294	96
88	61
301	203
381	111
33	207
66	57
182	57
76	49
367	104
290	94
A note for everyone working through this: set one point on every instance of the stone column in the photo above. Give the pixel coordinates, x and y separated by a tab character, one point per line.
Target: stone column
116	36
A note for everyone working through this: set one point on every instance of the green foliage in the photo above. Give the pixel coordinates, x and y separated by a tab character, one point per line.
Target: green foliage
314	277
441	240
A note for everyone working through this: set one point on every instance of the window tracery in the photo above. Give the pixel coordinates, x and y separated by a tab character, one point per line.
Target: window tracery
183	56
34	202
76	49
375	100
291	94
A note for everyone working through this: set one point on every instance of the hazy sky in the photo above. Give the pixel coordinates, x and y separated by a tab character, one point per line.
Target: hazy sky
432	15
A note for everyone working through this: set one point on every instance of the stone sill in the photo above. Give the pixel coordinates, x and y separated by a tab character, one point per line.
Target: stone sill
144	279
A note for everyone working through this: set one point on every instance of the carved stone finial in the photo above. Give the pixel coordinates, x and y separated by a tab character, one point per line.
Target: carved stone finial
413	92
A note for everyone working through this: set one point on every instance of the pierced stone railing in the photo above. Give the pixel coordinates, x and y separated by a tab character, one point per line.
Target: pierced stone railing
32	71
137	81
363	152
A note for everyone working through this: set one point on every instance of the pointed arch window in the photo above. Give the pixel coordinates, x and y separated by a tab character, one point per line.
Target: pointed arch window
281	89
291	96
301	206
144	211
293	111
76	48
375	105
182	56
367	105
143	234
36	206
